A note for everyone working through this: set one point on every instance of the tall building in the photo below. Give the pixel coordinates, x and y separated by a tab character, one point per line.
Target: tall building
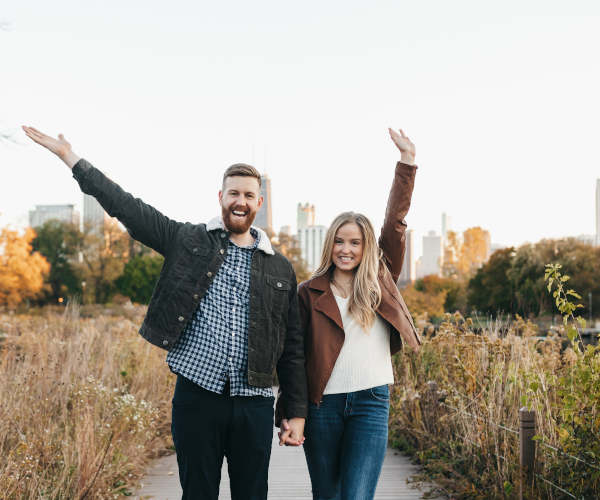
306	215
446	225
598	212
264	215
433	256
310	237
310	241
408	274
42	213
94	215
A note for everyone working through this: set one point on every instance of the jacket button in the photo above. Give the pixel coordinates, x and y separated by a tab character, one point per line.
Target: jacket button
180	318
195	249
195	297
279	285
222	251
165	342
223	235
209	274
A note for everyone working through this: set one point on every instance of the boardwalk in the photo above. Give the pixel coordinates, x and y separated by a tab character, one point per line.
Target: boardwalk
288	477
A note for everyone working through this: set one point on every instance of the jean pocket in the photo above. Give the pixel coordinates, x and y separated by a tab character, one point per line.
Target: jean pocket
381	393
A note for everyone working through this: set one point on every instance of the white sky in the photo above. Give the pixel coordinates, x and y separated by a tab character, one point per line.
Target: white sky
501	99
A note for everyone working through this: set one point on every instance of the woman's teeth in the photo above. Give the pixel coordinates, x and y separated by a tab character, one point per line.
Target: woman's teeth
345	259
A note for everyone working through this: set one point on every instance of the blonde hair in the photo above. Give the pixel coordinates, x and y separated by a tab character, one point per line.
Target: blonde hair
366	292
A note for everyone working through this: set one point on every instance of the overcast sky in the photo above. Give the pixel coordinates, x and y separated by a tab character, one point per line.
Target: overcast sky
501	99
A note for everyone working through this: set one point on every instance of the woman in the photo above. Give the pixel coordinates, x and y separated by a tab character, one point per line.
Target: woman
354	319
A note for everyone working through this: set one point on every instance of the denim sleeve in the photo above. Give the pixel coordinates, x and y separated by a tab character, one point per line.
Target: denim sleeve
143	222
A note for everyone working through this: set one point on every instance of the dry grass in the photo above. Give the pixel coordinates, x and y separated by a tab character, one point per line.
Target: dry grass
460	432
84	405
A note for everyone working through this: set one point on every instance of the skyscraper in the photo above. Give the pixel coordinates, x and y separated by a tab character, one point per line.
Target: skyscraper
264	216
446	225
306	215
310	237
42	213
408	274
433	255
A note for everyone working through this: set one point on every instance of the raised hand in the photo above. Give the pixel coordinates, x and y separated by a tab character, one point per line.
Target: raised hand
407	148
60	147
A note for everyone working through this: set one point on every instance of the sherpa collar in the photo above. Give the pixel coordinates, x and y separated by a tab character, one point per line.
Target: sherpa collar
264	244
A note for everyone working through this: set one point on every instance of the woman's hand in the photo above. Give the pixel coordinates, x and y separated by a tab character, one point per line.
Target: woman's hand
291	435
60	147
407	148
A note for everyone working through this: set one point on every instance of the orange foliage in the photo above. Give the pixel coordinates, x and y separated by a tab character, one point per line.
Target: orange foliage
21	271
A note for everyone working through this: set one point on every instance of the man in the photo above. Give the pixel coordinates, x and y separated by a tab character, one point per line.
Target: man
225	308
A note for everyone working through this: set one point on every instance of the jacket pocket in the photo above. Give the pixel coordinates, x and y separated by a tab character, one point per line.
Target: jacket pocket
277	290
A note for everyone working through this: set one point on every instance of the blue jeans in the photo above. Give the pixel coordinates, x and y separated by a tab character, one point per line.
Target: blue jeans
346	440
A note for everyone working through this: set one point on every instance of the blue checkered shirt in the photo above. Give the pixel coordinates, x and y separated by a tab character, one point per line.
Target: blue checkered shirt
213	346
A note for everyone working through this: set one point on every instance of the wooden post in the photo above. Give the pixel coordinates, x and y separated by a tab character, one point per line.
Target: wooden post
432	386
526	444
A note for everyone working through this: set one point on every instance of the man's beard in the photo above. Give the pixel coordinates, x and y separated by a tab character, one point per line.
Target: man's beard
234	224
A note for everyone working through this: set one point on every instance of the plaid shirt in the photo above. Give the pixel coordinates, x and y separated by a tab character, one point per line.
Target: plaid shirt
213	346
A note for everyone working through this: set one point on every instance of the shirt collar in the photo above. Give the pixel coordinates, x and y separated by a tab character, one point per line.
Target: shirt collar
262	239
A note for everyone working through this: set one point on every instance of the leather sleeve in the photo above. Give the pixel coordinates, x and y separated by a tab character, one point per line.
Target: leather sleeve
143	222
393	233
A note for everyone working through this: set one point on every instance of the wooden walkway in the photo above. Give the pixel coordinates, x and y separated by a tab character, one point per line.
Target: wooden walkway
288	477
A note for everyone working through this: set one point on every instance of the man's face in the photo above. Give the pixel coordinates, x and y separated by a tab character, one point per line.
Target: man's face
240	201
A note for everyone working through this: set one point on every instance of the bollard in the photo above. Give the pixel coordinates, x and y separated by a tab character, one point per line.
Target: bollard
526	443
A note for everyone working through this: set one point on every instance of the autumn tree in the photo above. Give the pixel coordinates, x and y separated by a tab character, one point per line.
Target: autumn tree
454	289
420	302
21	270
285	244
105	251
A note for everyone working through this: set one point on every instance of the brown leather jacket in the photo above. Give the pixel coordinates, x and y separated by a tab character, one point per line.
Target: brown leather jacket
321	319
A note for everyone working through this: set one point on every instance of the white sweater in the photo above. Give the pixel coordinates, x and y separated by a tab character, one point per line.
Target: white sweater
364	361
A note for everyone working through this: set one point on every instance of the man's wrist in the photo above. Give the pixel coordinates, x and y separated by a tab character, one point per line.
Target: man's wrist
70	159
407	158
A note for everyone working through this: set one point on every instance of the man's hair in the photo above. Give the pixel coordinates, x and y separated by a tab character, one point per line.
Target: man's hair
242	170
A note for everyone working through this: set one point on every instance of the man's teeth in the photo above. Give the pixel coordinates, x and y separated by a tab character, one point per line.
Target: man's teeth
239	214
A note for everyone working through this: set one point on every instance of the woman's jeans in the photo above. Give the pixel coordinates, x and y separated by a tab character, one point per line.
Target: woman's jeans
346	440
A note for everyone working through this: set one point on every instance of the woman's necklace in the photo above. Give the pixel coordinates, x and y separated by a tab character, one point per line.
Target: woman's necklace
344	291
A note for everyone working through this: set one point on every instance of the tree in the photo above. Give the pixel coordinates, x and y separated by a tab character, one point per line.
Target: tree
454	289
21	271
491	289
420	302
58	242
512	280
105	251
463	257
139	278
285	245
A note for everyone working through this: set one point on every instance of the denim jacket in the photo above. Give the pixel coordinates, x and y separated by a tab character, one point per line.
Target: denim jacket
193	256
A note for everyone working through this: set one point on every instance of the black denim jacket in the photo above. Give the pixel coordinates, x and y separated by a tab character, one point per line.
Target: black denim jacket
193	255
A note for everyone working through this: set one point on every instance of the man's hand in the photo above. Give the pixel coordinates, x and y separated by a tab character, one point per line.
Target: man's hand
291	432
60	147
407	148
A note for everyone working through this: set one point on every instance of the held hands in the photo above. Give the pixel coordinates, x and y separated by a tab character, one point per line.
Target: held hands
60	147
291	432
407	148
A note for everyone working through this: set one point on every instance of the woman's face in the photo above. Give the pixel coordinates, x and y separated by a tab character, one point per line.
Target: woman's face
347	247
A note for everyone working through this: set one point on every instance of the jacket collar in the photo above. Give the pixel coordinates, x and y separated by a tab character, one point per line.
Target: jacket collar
326	303
264	244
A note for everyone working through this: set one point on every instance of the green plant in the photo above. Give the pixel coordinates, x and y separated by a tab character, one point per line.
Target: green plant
575	466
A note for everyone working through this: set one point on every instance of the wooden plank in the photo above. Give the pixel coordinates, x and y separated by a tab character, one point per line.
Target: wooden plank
288	477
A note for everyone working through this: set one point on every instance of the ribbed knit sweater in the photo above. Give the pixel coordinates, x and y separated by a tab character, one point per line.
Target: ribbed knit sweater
364	361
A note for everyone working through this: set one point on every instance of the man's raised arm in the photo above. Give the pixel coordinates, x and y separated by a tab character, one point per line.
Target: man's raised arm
143	222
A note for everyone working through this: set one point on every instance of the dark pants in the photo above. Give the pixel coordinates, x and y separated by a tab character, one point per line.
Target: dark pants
207	426
346	440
